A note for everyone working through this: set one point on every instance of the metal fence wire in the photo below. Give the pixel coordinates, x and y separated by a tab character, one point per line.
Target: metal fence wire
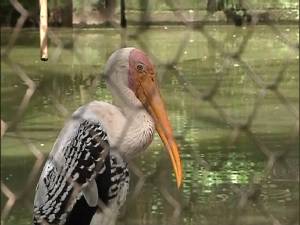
240	201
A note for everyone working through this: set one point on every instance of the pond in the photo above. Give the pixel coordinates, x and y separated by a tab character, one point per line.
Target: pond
222	166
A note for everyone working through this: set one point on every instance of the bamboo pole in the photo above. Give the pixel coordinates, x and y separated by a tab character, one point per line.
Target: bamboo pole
43	30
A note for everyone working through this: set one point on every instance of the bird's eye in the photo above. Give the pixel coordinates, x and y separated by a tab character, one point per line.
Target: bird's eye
140	67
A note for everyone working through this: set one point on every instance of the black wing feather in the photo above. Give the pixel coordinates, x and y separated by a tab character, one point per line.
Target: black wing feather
61	182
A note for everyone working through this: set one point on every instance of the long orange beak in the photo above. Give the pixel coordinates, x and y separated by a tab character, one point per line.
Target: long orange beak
148	93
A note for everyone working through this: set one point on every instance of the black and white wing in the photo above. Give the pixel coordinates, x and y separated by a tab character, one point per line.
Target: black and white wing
77	157
113	186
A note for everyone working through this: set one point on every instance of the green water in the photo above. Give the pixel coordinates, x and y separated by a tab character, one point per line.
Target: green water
214	167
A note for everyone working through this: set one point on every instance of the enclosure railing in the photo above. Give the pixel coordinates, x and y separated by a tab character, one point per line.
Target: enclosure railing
244	196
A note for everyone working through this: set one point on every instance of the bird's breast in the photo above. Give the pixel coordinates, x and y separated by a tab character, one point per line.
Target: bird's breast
137	135
129	132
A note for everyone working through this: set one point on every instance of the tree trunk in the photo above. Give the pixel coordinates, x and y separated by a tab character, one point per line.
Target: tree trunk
67	17
123	15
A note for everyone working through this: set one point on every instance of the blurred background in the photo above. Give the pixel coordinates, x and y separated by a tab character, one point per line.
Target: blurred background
229	74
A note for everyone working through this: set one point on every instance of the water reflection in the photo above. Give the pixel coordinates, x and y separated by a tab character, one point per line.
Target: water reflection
216	171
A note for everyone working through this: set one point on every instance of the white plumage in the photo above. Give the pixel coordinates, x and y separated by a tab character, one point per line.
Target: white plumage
86	170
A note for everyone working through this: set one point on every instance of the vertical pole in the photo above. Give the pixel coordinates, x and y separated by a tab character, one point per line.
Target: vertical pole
123	16
43	30
3	128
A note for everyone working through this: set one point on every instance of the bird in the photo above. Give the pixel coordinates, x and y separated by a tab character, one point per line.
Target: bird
85	179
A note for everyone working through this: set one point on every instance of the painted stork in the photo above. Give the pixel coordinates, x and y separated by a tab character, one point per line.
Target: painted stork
86	172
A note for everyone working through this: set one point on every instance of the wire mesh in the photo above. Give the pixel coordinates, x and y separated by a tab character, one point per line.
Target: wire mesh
238	201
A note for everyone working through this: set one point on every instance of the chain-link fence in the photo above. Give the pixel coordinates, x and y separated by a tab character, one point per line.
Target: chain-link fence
234	94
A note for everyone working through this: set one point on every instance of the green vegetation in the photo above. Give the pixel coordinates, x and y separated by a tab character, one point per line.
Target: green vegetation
60	12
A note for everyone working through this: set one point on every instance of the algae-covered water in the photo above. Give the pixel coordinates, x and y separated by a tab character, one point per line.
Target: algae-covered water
217	171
